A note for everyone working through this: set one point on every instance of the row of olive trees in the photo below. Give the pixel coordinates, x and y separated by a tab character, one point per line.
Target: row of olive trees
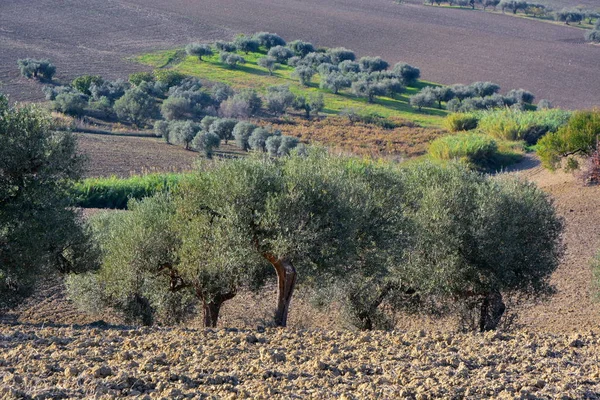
418	238
467	98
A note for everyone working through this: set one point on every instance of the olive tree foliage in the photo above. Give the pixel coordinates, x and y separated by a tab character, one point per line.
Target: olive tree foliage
199	50
372	64
407	73
135	106
489	3
36	69
300	48
476	238
84	82
313	217
335	81
223	128
569	15
244	104
70	103
40	234
258	139
247	44
242	132
341	54
483	89
183	133
279	99
269	63
281	54
227	47
512	5
269	40
304	74
206	142
313	104
348	66
425	98
232	60
113	90
521	96
593	35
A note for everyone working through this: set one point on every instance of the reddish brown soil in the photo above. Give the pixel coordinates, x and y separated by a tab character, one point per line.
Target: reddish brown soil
123	156
450	45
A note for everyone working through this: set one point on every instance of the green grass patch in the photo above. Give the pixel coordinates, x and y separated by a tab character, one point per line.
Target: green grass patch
250	75
115	192
479	151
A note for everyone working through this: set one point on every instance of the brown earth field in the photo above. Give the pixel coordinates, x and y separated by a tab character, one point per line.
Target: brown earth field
449	45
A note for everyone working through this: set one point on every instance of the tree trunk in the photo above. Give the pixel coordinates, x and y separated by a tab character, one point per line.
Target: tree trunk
211	314
492	309
286	281
212	308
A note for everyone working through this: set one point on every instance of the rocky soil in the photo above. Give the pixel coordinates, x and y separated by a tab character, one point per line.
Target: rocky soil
110	363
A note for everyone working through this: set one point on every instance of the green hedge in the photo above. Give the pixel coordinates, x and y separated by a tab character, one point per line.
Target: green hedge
115	192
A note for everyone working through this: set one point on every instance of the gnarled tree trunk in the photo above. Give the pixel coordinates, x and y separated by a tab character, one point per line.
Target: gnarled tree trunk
492	309
286	281
213	307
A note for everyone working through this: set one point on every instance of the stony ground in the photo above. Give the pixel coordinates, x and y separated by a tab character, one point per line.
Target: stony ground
449	45
111	363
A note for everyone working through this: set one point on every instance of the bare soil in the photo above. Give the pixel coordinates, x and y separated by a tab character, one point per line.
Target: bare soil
123	156
449	45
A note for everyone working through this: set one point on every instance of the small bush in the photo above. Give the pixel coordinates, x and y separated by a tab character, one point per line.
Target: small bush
461	122
474	149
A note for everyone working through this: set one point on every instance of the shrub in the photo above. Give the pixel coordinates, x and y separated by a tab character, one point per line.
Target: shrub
135	106
341	54
242	132
304	74
231	59
269	40
198	50
84	82
137	78
407	73
246	44
578	136
372	64
461	122
475	150
42	234
223	128
38	69
206	142
281	54
508	124
300	48
227	47
113	192
169	77
70	103
269	63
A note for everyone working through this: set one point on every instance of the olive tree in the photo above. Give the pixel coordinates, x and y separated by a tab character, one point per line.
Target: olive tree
40	233
369	89
269	40
70	103
300	48
183	132
335	81
372	64
242	132
348	66
568	15
304	74
483	89
443	94
223	128
279	99
231	59
227	47
521	96
310	216
38	69
407	73
135	106
84	82
313	104
341	54
281	54
513	5
246	44
199	50
476	238
489	3
258	139
269	63
425	98
593	36
206	142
